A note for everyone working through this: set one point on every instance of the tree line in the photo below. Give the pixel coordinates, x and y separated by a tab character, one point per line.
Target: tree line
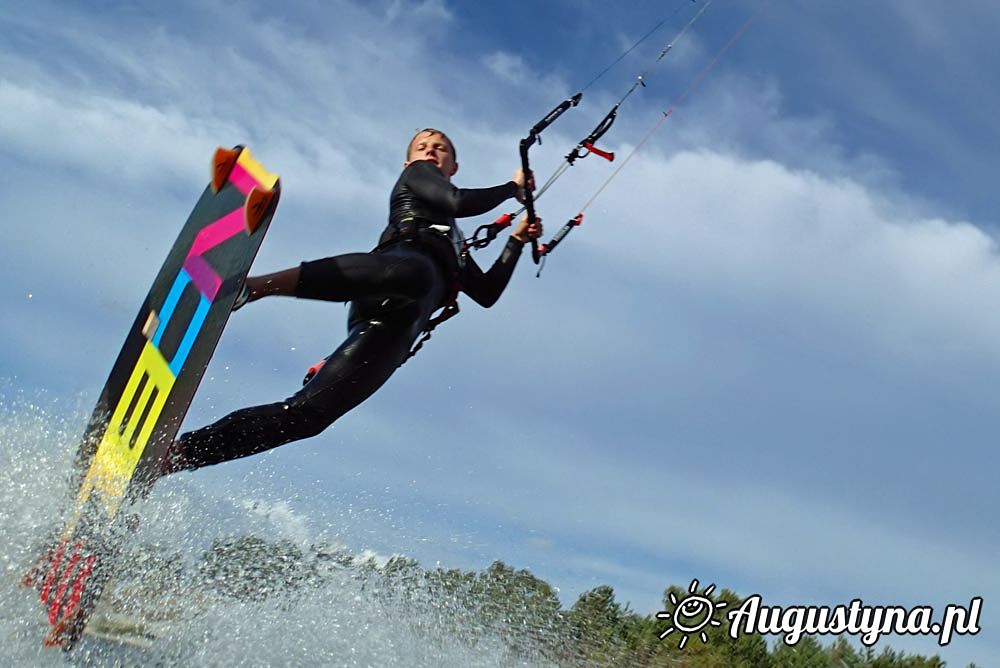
498	602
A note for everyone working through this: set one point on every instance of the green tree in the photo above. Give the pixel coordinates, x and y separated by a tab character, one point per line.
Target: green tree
890	658
518	599
597	627
806	653
251	568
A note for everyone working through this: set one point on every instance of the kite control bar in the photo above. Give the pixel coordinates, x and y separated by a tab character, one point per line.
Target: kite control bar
526	143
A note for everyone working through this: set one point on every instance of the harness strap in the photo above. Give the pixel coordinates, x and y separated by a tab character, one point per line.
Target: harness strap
450	310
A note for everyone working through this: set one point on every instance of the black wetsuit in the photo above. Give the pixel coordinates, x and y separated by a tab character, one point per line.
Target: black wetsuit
394	290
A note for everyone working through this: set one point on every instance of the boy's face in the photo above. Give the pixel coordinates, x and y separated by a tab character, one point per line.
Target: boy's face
435	148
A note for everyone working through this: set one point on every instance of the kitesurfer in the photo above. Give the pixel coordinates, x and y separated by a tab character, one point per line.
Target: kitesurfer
394	290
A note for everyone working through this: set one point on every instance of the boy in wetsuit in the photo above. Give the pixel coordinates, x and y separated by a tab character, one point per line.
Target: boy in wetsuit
393	290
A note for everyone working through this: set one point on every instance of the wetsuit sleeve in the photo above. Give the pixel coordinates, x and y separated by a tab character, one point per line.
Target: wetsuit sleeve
485	288
430	185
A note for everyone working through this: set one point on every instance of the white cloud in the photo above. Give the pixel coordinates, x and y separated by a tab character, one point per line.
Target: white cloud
507	66
917	285
87	132
431	11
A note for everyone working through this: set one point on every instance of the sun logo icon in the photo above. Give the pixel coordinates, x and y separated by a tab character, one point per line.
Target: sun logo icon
692	614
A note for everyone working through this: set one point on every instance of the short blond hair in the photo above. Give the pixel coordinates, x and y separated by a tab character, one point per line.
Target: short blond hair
433	131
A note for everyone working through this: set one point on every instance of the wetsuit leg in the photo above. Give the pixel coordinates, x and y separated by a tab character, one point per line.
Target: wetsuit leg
360	366
397	271
374	349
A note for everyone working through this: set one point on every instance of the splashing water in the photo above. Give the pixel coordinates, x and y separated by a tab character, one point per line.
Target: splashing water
308	604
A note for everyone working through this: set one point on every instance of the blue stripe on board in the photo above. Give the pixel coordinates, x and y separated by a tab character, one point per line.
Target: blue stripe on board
194	327
174	296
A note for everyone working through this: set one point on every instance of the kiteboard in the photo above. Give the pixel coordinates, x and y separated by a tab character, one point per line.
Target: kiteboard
151	386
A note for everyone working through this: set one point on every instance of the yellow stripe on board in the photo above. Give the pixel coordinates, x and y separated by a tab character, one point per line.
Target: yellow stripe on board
256	170
115	460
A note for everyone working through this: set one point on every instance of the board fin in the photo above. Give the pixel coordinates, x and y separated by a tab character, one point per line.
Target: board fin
222	164
260	203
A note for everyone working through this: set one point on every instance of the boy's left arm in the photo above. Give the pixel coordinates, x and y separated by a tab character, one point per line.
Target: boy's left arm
485	288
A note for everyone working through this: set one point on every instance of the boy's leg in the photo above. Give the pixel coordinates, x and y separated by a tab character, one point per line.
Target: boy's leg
280	283
361	365
397	272
373	350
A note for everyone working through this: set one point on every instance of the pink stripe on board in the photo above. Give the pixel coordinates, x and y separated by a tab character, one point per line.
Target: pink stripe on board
215	233
203	276
242	179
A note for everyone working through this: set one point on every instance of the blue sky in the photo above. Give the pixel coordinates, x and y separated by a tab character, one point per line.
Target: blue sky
768	359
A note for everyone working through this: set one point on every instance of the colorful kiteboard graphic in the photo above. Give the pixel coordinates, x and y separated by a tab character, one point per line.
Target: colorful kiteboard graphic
151	386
